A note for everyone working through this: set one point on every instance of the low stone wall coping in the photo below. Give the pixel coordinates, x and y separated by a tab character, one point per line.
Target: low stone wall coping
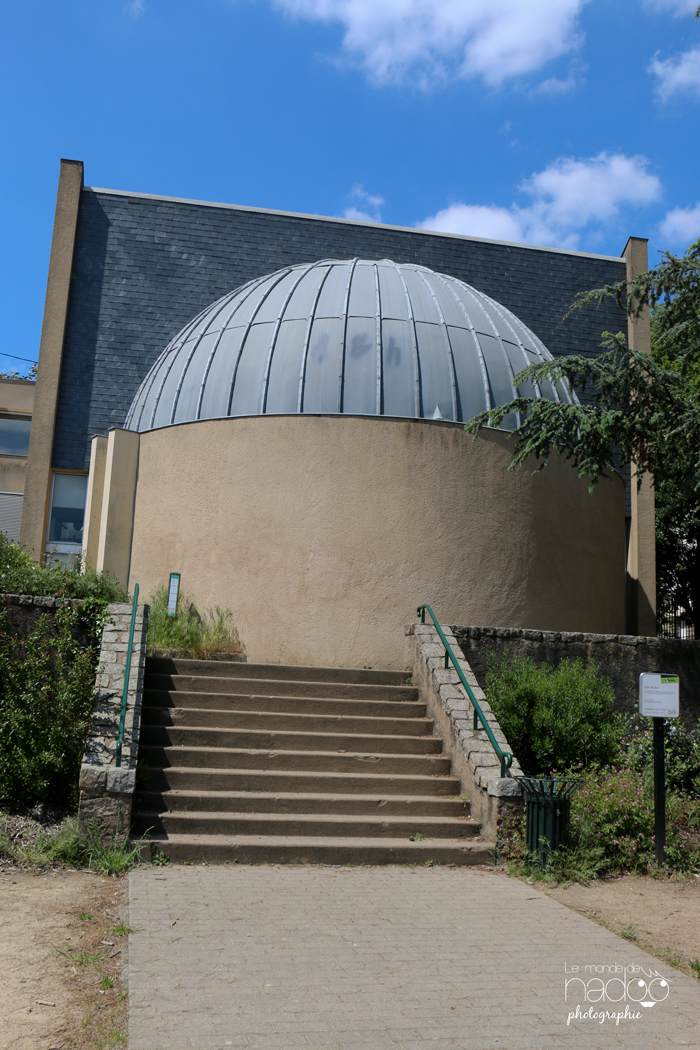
448	703
41	601
554	637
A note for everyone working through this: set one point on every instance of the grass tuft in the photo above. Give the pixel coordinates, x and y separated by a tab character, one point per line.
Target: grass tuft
190	632
73	849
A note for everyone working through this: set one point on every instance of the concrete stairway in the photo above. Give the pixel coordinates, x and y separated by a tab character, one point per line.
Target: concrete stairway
265	763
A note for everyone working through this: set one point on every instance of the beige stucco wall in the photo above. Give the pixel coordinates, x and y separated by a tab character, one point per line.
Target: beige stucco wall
117	510
12	473
16	395
322	534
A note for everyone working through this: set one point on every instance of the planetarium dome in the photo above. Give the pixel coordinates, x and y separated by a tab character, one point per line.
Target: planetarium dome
344	336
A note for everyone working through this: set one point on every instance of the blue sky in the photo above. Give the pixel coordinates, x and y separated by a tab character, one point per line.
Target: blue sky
558	122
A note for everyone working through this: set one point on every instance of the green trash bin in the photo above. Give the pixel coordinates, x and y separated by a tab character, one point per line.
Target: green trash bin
548	813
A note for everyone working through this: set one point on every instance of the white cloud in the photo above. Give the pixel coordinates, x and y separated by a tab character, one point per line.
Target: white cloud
678	76
681	226
568	197
555	86
135	8
359	192
435	40
476	220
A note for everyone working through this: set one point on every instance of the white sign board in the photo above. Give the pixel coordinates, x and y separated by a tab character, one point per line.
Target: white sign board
659	695
173	592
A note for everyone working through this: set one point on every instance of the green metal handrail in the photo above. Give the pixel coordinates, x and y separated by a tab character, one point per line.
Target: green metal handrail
127	673
505	756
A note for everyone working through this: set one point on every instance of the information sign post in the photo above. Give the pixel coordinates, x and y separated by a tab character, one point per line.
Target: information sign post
659	700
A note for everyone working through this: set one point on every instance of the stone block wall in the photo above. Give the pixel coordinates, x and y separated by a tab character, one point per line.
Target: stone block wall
471	752
621	657
23	610
106	792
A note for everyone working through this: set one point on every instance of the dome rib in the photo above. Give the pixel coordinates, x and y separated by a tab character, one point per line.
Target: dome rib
250	286
472	329
367	337
416	359
307	337
448	343
173	346
343	336
280	276
273	340
378	337
224	303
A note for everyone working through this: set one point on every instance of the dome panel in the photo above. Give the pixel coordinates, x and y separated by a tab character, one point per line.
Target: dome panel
391	291
398	361
283	382
332	301
363	291
352	336
277	297
324	362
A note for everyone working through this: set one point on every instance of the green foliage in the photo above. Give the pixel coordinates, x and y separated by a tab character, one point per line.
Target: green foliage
12	374
70	847
643	409
612	825
554	717
682	756
20	574
47	681
615	807
189	632
643	412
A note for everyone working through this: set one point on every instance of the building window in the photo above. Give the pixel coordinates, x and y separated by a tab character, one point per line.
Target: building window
65	539
14	434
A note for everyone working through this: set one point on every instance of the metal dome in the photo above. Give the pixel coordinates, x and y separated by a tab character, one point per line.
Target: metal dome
351	336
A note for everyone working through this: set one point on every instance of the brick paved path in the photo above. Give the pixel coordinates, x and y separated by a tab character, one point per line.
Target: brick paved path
384	958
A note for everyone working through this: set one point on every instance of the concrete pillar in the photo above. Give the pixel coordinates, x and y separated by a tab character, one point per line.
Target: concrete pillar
37	485
93	504
641	552
118	495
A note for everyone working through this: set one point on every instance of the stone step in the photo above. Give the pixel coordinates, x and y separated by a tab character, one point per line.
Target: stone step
277	687
233	718
286	740
205	778
297	761
237	669
328	706
300	802
258	849
304	825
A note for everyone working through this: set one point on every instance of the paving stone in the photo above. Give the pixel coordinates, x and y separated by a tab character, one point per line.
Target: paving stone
337	959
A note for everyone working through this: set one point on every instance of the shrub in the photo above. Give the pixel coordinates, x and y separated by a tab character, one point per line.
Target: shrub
682	755
189	632
612	826
47	679
20	574
554	716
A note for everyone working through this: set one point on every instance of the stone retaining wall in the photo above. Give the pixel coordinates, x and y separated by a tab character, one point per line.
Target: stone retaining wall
24	610
621	657
106	792
473	758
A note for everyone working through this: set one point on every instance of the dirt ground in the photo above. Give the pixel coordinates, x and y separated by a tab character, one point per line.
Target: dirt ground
660	916
53	963
61	946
